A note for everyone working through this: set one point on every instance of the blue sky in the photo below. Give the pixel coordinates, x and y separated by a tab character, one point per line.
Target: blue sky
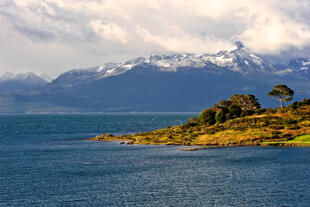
52	36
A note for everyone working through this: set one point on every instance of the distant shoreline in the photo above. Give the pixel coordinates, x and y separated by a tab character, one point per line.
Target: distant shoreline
105	113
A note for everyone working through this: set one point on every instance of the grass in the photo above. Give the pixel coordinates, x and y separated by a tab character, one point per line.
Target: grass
299	141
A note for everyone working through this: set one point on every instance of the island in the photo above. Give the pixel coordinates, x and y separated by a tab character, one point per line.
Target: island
238	121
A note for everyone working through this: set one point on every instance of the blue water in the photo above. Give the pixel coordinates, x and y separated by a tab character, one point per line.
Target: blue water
45	160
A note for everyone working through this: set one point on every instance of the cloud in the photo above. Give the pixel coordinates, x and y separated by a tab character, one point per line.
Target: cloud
276	29
109	31
97	31
180	43
35	34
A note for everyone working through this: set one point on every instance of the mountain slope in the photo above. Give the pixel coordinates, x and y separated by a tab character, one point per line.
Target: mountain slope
177	82
300	66
238	60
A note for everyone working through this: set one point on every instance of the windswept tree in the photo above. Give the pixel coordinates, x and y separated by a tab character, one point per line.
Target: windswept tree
282	92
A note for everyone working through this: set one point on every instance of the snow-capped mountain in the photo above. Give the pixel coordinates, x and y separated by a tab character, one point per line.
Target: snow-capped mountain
30	77
10	82
238	60
174	82
77	76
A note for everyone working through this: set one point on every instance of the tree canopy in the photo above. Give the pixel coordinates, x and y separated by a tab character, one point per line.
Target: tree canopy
228	109
282	92
245	102
207	116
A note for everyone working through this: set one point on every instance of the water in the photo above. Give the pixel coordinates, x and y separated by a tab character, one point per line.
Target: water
45	160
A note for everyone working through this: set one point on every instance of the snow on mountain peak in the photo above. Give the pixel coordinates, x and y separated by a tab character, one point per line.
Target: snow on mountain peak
30	77
12	83
238	60
300	66
304	63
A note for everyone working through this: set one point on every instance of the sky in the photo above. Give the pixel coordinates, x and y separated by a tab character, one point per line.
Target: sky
53	36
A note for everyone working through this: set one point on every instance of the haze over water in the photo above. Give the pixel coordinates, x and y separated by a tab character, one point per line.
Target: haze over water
45	160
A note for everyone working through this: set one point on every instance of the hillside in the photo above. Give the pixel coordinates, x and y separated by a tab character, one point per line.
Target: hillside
263	127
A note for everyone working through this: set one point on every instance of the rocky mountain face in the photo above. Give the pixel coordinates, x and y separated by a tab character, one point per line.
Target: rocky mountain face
177	82
238	60
300	66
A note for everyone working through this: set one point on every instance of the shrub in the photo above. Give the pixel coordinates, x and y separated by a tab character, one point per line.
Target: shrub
192	121
220	117
290	127
305	123
261	111
275	134
271	111
186	126
297	104
276	126
247	113
306	101
293	105
290	121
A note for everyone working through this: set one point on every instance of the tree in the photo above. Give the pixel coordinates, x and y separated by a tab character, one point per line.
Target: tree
282	92
234	111
220	117
207	116
245	102
223	103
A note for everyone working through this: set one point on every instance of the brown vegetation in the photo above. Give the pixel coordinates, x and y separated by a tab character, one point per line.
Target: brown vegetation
238	121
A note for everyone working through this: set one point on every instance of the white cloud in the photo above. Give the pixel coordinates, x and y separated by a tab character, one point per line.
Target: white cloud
185	42
109	31
98	31
268	36
274	28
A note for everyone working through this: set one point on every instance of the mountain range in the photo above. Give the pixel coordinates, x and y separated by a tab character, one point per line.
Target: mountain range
13	83
160	83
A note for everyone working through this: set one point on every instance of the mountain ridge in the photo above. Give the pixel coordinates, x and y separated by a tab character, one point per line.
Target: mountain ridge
237	60
230	60
175	82
15	82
